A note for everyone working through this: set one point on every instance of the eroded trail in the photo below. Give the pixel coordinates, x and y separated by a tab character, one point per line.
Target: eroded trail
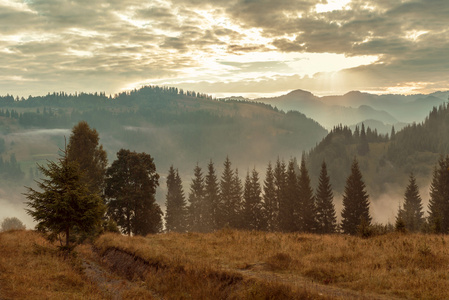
117	271
112	284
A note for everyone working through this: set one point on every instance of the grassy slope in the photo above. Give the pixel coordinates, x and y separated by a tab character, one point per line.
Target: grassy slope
32	268
409	266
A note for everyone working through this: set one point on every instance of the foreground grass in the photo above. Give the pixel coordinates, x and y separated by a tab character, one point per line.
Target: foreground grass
32	268
406	266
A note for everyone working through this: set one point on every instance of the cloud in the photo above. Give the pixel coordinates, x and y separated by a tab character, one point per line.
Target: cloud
99	45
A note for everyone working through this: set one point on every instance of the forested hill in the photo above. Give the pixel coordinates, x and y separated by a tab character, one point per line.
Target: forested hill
385	160
174	126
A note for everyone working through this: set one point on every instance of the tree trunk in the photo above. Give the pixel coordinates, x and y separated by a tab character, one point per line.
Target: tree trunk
67	237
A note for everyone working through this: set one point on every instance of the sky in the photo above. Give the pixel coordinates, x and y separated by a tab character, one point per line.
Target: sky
250	48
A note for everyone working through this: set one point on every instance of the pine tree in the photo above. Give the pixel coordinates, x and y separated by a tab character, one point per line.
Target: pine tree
237	202
196	197
412	211
130	190
326	216
439	197
280	182
363	147
85	149
65	204
253	211
393	133
176	211
231	191
355	202
270	202
211	199
288	206
306	210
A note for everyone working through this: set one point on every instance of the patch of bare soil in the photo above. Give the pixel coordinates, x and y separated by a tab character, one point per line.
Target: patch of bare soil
114	280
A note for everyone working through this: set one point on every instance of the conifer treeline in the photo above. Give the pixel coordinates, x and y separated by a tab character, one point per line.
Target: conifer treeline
285	201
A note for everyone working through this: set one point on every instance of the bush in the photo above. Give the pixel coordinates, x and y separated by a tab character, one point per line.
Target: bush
12	224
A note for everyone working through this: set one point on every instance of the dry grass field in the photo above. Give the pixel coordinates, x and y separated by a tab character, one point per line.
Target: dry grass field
32	268
388	266
227	264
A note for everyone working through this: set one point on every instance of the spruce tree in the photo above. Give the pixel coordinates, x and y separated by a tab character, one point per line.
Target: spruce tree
253	212
176	211
355	202
326	216
211	203
363	147
288	206
231	197
196	198
280	179
85	149
412	211
439	197
306	210
237	192
65	204
226	208
269	197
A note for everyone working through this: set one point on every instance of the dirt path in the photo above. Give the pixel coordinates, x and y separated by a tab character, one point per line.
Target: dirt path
297	282
112	285
110	277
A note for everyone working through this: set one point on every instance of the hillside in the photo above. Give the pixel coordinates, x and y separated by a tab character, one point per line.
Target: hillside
175	127
416	148
226	265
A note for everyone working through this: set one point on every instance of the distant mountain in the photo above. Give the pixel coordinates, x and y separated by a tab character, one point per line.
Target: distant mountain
356	107
328	112
404	108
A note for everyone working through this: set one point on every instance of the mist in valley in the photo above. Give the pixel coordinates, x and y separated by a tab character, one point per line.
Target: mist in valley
186	131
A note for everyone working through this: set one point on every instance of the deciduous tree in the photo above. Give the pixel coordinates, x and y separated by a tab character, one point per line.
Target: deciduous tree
131	183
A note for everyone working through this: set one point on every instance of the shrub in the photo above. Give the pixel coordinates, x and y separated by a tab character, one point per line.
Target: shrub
12	224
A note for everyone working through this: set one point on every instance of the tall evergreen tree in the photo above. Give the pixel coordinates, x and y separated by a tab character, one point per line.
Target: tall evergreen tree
231	189
85	149
288	207
280	182
130	189
412	211
363	147
211	199
270	202
176	211
325	209
237	202
253	210
196	199
355	202
439	197
306	210
65	204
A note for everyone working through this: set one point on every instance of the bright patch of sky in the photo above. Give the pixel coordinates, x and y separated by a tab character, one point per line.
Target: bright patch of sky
332	5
